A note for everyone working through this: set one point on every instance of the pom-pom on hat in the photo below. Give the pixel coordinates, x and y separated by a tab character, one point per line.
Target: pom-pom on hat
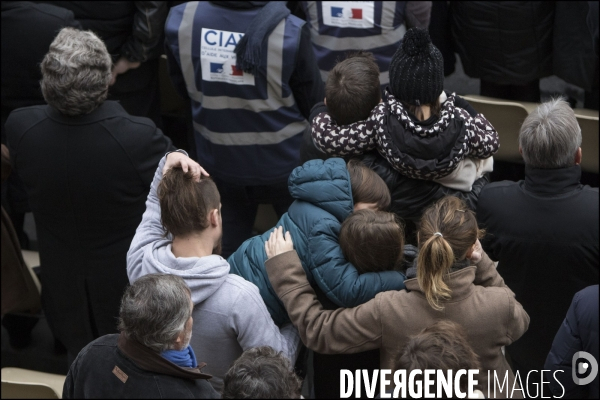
417	69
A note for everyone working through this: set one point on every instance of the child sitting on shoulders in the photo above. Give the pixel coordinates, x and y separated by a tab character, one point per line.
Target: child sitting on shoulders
420	130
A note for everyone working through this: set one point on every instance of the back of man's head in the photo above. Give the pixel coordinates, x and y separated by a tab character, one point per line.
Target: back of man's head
154	310
76	72
184	203
261	373
550	136
352	89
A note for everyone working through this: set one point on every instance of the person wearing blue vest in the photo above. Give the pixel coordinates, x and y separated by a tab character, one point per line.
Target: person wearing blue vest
251	74
341	27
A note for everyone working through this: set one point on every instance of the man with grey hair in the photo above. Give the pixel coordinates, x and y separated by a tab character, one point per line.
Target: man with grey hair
543	230
152	356
261	373
86	165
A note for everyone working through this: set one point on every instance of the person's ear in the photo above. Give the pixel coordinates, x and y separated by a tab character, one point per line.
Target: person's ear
214	217
578	156
325	100
470	251
520	151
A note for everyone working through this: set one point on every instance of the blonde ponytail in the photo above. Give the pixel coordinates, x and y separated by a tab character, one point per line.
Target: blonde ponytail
434	261
448	230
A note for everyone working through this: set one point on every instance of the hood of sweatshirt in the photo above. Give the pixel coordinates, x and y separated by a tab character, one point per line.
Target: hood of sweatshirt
204	275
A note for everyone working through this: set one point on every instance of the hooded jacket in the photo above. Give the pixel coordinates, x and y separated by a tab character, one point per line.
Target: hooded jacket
430	149
323	201
229	314
410	197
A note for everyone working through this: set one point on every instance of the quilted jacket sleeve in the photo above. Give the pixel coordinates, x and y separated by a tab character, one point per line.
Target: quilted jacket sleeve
338	278
342	140
483	139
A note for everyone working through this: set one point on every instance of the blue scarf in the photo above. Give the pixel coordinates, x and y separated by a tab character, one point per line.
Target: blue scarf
181	358
248	49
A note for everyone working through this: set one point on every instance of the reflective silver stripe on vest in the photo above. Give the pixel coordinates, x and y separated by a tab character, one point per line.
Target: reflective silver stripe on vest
388	36
184	38
384	77
249	138
274	98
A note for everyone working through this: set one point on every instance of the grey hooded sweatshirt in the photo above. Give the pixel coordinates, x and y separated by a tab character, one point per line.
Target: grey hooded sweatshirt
229	313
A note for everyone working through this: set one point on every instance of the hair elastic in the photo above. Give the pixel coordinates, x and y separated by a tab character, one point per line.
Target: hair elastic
438	234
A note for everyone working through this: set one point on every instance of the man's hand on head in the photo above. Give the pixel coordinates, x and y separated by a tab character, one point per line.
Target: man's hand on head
177	159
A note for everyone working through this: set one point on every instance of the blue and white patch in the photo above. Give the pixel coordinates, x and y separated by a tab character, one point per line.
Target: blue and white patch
218	59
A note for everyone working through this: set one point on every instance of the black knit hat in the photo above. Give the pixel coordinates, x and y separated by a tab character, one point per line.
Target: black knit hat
417	69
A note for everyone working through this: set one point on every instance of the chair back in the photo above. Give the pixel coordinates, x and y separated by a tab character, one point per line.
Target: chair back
18	383
506	117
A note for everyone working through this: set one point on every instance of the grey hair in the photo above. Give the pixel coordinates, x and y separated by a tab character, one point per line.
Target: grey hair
76	72
550	136
261	373
154	310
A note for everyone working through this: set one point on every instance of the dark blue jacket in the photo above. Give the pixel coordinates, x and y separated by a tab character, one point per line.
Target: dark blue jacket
323	201
247	128
578	332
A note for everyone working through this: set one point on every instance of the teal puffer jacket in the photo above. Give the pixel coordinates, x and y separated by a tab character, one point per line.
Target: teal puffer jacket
323	201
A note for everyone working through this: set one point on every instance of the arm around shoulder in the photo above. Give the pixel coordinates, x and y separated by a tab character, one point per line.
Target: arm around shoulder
355	329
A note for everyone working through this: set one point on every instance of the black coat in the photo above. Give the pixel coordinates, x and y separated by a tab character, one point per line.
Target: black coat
544	233
113	367
87	179
574	58
507	42
578	332
410	197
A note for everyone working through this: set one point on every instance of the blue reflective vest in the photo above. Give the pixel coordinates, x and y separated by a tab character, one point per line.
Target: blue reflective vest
341	27
247	128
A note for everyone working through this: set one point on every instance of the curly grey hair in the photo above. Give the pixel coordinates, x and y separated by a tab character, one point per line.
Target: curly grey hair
76	72
261	373
550	136
154	310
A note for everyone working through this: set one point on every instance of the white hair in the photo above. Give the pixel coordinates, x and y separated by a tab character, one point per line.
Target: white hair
76	72
550	136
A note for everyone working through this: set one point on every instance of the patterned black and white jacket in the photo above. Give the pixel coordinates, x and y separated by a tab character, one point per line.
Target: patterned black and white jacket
429	149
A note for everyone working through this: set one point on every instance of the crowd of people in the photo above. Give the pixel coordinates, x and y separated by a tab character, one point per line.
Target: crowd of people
393	250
